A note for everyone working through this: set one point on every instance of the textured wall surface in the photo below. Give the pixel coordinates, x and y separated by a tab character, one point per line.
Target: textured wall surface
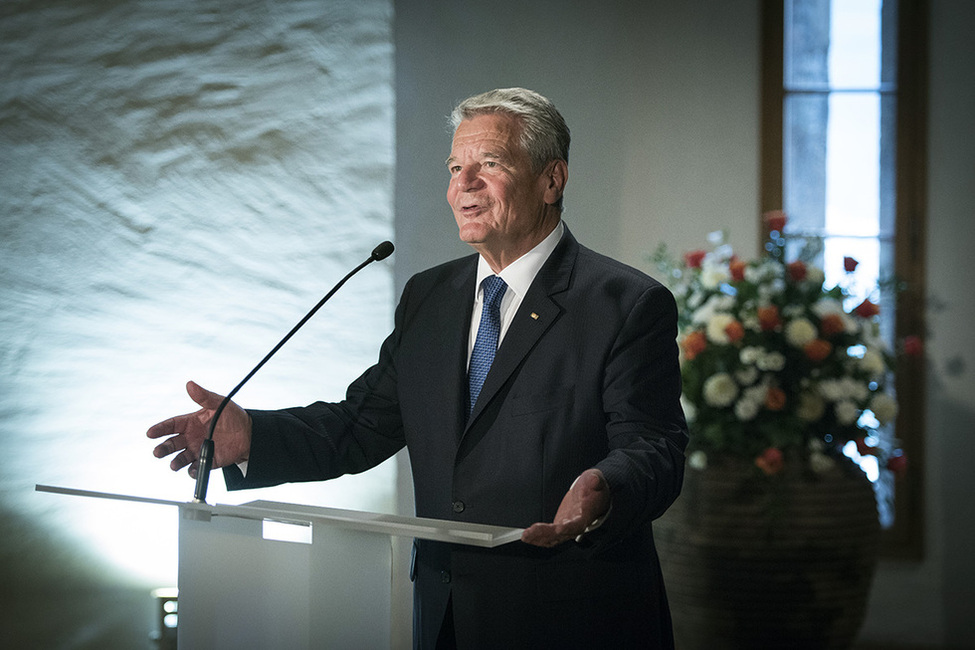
179	183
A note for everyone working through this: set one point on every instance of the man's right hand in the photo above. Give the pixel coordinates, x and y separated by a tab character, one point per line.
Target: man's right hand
185	433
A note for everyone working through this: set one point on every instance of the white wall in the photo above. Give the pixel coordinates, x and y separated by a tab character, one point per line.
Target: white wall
661	98
179	183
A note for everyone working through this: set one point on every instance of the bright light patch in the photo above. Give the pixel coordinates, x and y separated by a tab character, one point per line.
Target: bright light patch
173	201
288	531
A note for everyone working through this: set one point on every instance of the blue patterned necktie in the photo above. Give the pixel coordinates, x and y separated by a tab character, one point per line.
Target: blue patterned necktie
487	336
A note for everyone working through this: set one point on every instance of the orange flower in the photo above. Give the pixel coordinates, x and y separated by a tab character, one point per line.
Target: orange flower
768	318
866	309
735	331
694	344
737	269
770	461
775	399
831	325
817	350
797	270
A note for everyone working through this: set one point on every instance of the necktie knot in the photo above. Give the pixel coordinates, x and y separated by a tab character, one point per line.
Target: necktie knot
494	288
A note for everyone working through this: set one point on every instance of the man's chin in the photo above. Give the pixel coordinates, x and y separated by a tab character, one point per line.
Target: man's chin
473	233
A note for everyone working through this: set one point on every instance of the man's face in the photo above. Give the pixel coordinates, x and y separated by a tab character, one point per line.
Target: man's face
498	201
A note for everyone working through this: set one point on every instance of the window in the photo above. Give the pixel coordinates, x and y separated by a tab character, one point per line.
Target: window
842	154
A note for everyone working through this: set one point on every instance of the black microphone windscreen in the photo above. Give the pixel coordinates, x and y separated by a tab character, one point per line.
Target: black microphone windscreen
382	251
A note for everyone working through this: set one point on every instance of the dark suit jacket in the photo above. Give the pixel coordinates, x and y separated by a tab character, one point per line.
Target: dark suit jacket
586	376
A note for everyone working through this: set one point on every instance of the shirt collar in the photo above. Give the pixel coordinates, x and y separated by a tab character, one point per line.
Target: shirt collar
519	274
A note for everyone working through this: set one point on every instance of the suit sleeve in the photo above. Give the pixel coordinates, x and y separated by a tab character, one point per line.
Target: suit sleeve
326	440
645	425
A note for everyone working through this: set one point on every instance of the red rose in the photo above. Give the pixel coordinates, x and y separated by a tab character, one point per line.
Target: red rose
897	464
797	270
864	449
913	345
866	309
693	259
831	325
737	269
775	220
770	461
694	344
850	264
735	331
768	318
817	350
775	399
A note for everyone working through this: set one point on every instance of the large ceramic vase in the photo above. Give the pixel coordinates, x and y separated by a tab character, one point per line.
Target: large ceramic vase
754	561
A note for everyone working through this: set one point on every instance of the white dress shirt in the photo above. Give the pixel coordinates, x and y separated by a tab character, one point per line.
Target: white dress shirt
519	276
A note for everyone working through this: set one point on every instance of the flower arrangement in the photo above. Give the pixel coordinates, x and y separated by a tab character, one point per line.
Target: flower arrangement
774	366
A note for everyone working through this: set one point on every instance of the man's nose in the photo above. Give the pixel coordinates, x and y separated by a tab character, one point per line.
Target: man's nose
468	179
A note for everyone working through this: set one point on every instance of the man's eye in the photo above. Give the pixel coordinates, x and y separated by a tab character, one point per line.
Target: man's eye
490	163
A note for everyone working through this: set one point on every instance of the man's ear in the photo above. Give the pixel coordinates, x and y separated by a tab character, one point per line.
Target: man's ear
555	177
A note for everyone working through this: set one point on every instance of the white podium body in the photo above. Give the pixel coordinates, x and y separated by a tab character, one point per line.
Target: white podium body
238	588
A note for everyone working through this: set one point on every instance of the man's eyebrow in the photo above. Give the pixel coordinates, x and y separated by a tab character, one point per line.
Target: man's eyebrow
501	156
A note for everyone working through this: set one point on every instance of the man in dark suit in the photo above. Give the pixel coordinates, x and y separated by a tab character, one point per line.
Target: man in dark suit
547	400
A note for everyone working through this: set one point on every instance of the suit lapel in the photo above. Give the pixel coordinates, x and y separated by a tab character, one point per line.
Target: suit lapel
456	329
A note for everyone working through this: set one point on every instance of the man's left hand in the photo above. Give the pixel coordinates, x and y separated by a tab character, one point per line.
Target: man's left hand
586	501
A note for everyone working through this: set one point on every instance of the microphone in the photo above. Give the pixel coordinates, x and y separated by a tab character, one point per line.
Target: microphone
380	252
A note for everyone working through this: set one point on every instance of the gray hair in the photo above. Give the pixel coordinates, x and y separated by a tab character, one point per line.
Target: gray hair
544	134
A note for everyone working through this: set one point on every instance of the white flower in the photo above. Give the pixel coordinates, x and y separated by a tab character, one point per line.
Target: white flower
845	388
698	460
811	407
720	390
831	306
746	376
773	361
747	409
752	399
713	275
793	311
820	463
750	355
716	328
799	332
846	412
715	304
771	288
815	275
872	363
884	407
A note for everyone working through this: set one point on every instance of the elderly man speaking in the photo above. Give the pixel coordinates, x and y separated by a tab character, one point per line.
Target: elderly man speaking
534	383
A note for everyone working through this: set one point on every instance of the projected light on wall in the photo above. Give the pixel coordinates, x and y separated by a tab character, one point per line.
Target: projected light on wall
180	183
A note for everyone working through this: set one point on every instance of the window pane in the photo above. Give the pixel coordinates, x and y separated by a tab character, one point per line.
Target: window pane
838	154
854	44
806	43
853	164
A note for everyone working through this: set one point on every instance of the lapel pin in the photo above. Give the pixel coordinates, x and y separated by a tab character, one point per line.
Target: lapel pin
534	316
